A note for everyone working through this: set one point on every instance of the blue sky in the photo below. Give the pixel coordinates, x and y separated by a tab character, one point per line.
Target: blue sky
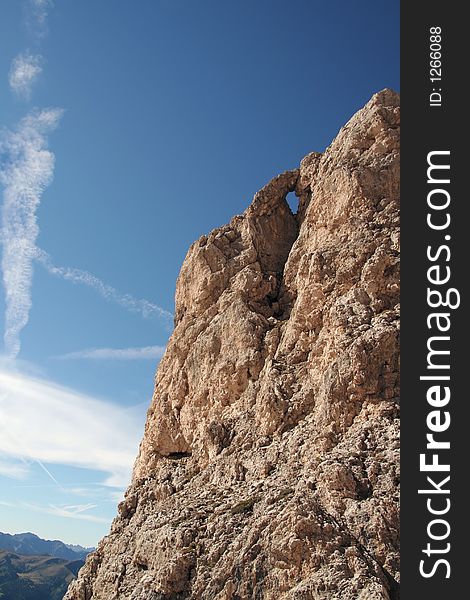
129	129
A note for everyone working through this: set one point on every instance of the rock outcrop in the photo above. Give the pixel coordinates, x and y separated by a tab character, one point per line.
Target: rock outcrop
269	463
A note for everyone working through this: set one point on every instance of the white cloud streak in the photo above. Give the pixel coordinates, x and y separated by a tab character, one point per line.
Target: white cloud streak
79	508
146	352
51	424
91	491
24	71
146	308
68	512
49	474
13	470
26	169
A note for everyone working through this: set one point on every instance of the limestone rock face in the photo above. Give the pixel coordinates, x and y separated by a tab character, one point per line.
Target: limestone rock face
269	463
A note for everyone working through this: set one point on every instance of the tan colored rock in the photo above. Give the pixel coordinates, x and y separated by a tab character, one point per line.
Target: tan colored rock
269	464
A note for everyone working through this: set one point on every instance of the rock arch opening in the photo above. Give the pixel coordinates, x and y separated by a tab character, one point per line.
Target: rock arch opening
293	202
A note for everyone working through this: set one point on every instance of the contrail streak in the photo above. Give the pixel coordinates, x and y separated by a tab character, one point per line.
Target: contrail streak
146	308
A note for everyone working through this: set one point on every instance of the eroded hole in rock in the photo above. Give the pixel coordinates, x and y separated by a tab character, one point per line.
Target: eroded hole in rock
293	202
178	455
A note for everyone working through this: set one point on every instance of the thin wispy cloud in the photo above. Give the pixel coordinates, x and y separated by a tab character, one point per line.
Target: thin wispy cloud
77	511
25	70
146	308
26	169
68	512
9	504
79	508
97	492
13	470
91	491
43	422
143	353
37	12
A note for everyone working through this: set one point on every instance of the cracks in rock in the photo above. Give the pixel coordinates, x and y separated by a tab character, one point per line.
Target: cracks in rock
373	564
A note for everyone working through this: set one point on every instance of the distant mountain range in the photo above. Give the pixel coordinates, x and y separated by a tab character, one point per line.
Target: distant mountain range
35	577
31	544
35	569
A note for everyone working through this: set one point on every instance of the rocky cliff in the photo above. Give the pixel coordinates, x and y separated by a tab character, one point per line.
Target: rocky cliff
269	463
